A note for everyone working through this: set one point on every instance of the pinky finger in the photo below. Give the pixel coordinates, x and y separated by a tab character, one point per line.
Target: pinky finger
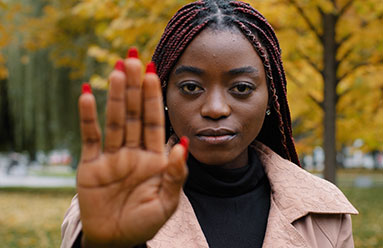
90	130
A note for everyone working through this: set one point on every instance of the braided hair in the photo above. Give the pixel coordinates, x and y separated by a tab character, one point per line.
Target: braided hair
191	19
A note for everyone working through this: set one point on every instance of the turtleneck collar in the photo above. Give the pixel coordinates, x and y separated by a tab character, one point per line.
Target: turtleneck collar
222	182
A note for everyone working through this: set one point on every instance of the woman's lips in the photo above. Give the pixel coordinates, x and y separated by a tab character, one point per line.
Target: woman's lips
215	136
215	140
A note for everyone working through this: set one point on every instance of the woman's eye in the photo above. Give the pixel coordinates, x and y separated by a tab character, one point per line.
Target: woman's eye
190	88
242	89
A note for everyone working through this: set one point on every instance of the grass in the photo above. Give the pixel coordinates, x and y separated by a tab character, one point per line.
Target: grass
368	225
32	217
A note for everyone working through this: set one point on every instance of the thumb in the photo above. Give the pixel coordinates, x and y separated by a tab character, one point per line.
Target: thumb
174	176
177	169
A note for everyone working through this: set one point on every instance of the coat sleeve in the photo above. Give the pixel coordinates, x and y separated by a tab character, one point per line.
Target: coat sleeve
337	228
326	230
71	227
345	238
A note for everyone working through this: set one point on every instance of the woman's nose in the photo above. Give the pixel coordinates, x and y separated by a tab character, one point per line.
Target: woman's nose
215	106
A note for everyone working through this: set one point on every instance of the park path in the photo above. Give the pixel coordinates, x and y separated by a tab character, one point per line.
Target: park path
35	181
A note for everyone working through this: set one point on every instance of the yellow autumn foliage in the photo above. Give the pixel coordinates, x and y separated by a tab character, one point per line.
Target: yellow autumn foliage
7	27
99	32
360	54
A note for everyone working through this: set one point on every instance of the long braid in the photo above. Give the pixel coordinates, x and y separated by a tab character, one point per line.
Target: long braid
272	91
250	10
190	20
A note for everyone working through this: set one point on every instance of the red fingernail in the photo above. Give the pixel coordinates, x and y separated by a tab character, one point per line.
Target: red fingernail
184	141
151	68
86	88
132	53
119	66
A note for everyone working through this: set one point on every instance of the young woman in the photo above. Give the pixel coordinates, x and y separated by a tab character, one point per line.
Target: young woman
224	90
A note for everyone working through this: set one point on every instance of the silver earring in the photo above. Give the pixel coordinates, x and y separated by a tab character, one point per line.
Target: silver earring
166	108
268	112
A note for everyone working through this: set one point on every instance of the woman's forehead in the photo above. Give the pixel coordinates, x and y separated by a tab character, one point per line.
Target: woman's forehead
226	48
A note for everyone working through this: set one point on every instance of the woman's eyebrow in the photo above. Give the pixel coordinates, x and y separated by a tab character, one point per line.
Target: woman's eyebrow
191	69
241	70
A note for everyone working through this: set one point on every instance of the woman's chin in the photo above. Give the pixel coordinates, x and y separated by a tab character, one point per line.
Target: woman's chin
227	159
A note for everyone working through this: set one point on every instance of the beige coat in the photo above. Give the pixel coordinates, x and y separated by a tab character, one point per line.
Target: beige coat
305	211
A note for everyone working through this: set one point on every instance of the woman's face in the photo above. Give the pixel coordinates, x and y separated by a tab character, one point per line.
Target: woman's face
217	96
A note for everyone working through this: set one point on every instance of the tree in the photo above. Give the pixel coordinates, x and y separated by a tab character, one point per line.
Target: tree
7	14
337	47
38	107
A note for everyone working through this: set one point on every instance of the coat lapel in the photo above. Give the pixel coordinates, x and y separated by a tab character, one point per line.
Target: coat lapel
181	231
280	233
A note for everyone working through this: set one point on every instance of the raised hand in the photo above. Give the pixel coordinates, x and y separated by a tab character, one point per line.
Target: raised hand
131	187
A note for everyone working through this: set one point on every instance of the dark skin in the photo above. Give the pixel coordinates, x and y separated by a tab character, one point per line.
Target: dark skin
217	96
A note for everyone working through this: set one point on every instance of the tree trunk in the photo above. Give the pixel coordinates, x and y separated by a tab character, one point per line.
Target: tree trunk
329	102
6	138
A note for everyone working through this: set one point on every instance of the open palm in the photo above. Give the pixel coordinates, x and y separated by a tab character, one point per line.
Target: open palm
129	189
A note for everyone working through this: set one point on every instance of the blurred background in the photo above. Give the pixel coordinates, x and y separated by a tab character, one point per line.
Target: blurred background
333	57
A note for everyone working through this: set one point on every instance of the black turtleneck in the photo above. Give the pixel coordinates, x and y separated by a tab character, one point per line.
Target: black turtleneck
231	205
